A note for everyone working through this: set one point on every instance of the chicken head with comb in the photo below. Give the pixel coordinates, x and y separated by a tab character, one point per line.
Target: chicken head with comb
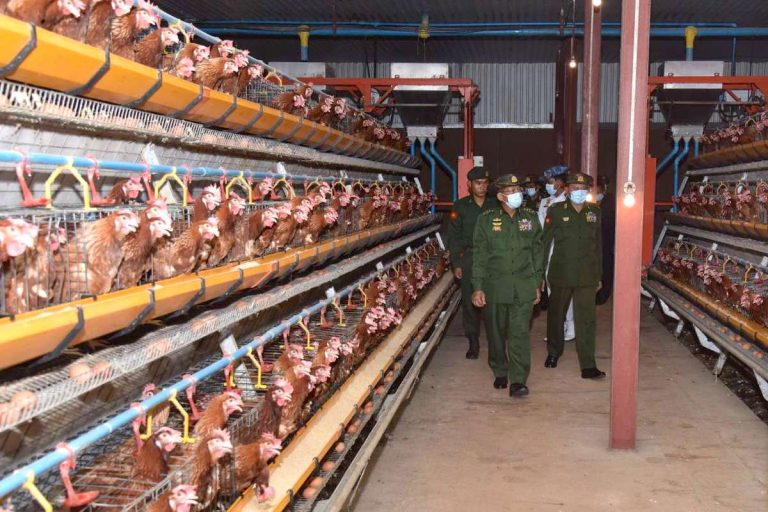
167	439
219	444
126	222
183	498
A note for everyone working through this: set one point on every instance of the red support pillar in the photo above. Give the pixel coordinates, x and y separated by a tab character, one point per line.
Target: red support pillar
633	121
590	103
466	161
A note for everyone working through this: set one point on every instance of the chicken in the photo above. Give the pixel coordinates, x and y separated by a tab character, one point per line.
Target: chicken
290	218
247	75
322	113
206	202
258	222
183	68
210	449
340	111
99	20
220	408
227	216
125	28
192	51
182	498
300	377
68	18
214	71
152	460
31	283
16	236
124	191
183	254
293	353
150	49
252	465
321	384
367	212
93	272
232	84
223	48
295	102
277	396
31	11
269	228
319	221
160	413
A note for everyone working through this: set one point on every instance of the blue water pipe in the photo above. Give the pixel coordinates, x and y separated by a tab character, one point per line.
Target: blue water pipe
317	23
695	147
454	177
678	159
50	461
412	149
130	167
432	168
665	162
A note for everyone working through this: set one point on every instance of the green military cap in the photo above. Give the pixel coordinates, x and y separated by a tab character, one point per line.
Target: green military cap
478	173
579	178
507	180
529	180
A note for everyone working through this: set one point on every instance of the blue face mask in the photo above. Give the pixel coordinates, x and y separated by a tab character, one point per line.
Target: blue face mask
515	200
530	191
600	197
579	196
551	189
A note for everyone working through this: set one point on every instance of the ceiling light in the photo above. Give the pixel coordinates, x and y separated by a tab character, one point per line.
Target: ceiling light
597	3
572	63
629	194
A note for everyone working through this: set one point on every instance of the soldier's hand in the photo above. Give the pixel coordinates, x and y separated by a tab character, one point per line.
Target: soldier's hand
457	273
478	299
542	287
599	285
538	297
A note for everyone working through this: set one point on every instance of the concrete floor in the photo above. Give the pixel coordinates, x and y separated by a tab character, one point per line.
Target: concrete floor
461	445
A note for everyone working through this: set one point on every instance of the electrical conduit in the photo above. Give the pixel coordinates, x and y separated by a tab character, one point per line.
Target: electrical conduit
679	159
665	162
432	169
454	177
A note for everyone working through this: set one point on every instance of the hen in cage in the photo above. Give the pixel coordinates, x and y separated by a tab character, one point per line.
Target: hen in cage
251	465
185	253
226	220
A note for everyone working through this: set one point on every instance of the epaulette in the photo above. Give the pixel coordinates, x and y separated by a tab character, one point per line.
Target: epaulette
488	212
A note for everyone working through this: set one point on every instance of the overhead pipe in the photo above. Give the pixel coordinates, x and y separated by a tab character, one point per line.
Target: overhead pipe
432	169
454	177
51	461
695	147
679	159
304	42
690	38
665	162
376	24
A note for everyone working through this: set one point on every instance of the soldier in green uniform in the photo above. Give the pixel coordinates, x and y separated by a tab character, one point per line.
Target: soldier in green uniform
574	271
532	196
506	275
459	230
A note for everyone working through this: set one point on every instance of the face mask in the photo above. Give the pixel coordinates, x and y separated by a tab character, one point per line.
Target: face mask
578	196
530	191
515	200
551	189
600	197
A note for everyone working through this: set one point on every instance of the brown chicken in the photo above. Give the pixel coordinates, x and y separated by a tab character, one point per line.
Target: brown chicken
268	229
206	202
211	448
295	102
183	254
220	408
182	498
154	225
214	71
367	212
302	380
224	48
192	51
124	29
152	460
252	465
277	396
31	11
322	113
320	220
68	18
232	84
259	221
93	257
227	215
124	191
150	49
99	20
289	220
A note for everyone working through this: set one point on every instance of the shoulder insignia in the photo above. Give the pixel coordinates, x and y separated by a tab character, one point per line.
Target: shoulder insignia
566	219
496	224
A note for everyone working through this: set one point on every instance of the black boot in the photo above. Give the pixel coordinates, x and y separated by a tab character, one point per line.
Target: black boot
474	349
517	389
551	362
592	373
500	383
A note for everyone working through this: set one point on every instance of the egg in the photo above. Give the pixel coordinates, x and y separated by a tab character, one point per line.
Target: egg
101	368
328	466
352	429
308	492
23	400
396	366
340	447
80	372
380	390
9	414
316	482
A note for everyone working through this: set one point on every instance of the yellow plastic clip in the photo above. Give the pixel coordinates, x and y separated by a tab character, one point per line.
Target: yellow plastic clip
335	304
288	186
174	175
32	489
272	73
74	172
185	436
363	295
241	180
148	432
304	328
259	384
746	274
408	261
231	379
177	25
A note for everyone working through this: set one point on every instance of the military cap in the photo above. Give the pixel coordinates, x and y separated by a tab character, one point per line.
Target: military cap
507	180
529	180
554	172
579	178
477	173
603	180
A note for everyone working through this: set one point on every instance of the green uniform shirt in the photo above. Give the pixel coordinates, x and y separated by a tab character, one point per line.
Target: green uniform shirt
508	256
577	257
461	227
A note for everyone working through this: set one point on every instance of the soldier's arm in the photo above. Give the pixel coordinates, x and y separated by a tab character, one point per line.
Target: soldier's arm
547	238
538	252
479	253
599	243
453	233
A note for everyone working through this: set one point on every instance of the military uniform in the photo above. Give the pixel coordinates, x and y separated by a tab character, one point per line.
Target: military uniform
531	202
508	268
459	230
574	272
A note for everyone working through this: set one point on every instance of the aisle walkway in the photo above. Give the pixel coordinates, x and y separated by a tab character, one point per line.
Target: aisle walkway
461	445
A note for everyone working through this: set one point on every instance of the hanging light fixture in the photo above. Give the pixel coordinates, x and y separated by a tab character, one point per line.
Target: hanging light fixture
629	194
597	3
572	63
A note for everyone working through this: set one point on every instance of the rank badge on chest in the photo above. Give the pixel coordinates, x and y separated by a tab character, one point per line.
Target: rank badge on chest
525	225
591	217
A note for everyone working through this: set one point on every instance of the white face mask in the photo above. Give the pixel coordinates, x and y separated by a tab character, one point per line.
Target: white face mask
600	197
514	200
530	191
578	196
551	189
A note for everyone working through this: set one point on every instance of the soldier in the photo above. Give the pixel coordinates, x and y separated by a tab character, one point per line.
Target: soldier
574	272
556	189
459	230
506	275
532	196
